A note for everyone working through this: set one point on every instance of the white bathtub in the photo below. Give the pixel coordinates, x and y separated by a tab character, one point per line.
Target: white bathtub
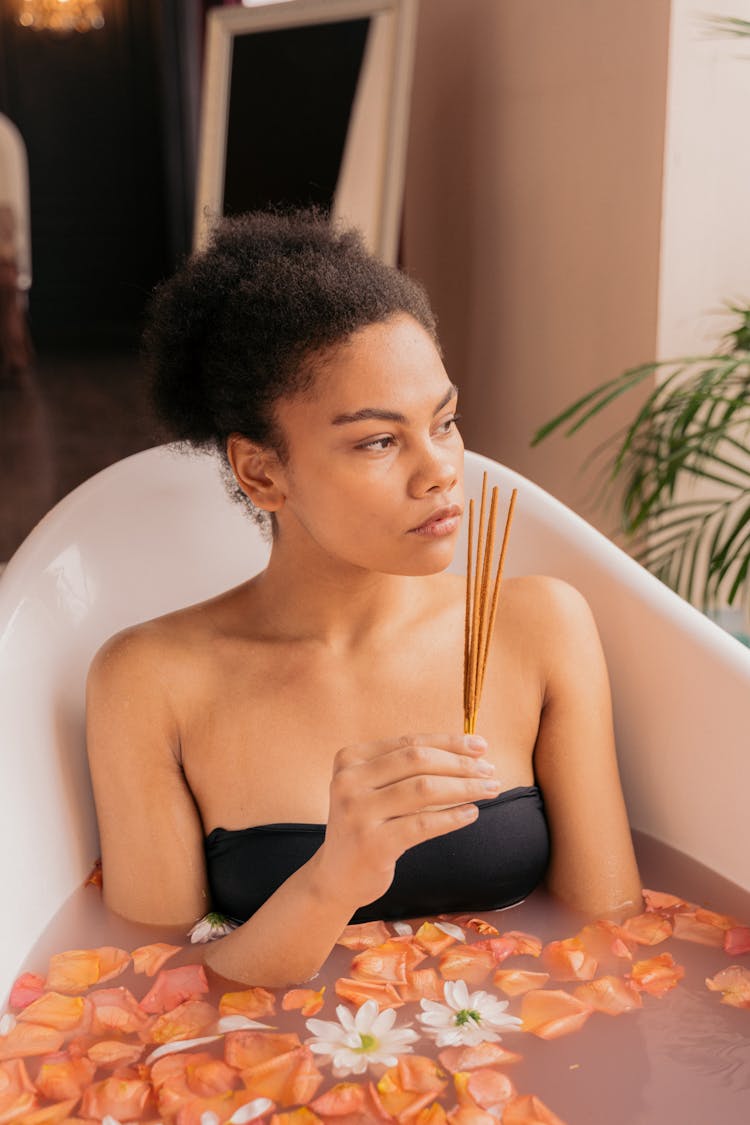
156	531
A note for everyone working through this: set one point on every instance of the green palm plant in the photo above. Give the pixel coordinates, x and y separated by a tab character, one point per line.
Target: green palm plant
693	427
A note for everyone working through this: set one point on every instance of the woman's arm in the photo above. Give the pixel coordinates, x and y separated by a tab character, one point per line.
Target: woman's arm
152	835
592	865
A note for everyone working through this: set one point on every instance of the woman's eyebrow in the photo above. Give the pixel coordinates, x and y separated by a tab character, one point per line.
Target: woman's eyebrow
369	412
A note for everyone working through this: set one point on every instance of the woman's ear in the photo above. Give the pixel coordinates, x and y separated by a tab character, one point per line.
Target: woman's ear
258	472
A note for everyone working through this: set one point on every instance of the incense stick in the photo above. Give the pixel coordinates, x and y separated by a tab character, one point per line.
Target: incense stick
481	609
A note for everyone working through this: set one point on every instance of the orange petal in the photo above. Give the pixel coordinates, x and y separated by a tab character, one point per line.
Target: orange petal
59	1080
648	928
246	1049
432	940
301	1116
288	1079
149	959
73	971
306	1000
659	900
477	924
340	1100
116	1010
527	944
431	1115
186	1021
528	1109
549	1014
421	984
251	1002
112	1053
490	1089
112	962
385	962
457	1059
734	983
357	991
737	940
499	948
420	1075
211	1077
27	1039
94	878
52	1009
51	1115
612	995
364	935
466	962
470	1115
691	926
404	1090
28	987
604	940
569	960
17	1093
173	986
122	1098
514	982
657	975
223	1105
169	1078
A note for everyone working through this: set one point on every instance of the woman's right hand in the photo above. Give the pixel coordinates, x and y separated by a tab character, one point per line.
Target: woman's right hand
385	797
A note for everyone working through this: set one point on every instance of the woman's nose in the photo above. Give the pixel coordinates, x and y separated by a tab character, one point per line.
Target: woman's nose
438	470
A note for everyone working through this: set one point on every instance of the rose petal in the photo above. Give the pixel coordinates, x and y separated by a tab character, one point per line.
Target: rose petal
357	992
65	1078
364	935
734	984
569	960
609	994
28	1039
549	1014
466	963
657	975
466	1058
28	987
306	1000
187	1021
514	982
432	940
250	1002
737	940
123	1098
149	959
174	986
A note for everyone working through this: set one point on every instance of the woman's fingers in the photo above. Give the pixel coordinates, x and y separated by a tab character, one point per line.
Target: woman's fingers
423	761
425	792
468	745
407	831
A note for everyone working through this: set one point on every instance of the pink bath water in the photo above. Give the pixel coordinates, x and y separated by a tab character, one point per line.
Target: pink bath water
680	1060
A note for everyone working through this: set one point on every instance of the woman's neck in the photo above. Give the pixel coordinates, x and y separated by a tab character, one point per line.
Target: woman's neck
330	602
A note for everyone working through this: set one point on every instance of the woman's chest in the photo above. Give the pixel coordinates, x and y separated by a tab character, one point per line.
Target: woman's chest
259	748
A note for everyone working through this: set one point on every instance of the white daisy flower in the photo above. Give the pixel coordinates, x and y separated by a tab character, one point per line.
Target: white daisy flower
7	1023
403	929
250	1111
466	1018
357	1041
210	927
451	930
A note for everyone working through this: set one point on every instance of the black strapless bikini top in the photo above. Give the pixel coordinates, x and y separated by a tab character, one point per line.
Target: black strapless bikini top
495	861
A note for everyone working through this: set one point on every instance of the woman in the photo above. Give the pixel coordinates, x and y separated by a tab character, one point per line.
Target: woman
224	737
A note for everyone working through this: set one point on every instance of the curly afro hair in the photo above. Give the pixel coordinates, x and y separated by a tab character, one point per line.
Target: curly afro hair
241	324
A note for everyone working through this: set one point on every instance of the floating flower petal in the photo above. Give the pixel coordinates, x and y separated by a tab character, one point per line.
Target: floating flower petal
465	1018
210	927
364	935
173	987
569	960
60	1079
609	994
657	975
357	1041
52	1009
734	984
187	1021
307	1000
514	982
149	959
551	1013
250	1002
528	1109
467	963
357	992
28	987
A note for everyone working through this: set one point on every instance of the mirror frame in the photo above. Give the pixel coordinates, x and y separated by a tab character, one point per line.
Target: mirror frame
224	25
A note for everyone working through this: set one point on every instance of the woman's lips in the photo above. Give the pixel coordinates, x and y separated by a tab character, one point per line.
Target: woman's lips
443	522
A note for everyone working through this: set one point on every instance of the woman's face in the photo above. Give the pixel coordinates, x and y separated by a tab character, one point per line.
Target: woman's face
374	476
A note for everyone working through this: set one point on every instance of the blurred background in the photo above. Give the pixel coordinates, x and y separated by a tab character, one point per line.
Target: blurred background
575	201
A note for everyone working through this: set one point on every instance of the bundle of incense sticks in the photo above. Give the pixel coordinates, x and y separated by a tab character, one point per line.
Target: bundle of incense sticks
481	608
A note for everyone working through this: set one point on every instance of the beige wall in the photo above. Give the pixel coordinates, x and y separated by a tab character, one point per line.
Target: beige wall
533	204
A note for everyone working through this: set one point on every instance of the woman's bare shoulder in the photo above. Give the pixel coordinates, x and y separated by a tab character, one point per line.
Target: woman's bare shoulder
168	642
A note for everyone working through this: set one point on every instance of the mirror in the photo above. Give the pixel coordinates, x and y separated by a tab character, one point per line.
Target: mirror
307	101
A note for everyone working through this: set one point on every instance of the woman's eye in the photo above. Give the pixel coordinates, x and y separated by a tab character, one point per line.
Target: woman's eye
379	443
446	426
